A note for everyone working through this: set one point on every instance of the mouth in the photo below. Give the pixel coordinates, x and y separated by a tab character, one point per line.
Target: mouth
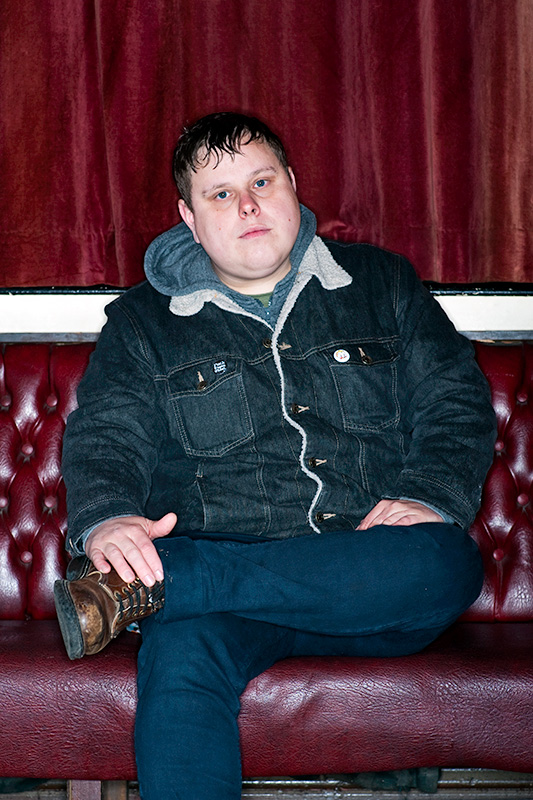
252	233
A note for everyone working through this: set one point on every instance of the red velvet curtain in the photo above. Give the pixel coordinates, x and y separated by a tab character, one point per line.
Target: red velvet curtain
408	124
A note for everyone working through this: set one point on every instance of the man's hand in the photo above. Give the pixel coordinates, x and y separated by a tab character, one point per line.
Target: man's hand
125	543
398	512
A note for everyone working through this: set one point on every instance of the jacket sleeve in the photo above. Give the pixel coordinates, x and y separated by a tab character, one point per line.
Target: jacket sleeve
449	410
111	441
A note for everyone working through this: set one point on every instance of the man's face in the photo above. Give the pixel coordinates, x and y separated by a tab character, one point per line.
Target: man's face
246	216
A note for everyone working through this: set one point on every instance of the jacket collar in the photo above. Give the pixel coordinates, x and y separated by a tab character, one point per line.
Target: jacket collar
178	267
317	262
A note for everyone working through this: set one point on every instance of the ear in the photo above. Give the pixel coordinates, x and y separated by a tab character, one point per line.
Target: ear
292	178
187	216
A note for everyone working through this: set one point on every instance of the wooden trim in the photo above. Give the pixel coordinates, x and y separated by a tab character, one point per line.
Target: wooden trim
84	790
115	790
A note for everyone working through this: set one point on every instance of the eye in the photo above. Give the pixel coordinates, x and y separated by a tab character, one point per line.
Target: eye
222	195
261	183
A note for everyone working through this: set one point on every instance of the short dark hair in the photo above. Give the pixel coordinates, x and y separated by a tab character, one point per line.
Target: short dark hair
223	132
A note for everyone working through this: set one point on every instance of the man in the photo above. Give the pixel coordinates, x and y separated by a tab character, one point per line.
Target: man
279	445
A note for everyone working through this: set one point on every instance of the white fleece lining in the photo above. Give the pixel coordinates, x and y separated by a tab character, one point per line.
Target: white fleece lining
318	262
299	284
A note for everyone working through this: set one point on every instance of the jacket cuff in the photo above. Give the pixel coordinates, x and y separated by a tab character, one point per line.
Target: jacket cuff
437	494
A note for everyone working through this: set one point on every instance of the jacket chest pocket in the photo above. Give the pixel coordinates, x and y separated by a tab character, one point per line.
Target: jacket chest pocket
366	379
209	406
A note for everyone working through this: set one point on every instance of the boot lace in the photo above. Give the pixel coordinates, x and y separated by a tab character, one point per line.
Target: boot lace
135	599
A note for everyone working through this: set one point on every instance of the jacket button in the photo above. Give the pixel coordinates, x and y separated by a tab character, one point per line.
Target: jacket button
296	408
323	516
267	343
365	358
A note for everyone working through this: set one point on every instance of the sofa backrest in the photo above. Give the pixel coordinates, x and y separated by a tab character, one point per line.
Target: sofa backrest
503	527
38	391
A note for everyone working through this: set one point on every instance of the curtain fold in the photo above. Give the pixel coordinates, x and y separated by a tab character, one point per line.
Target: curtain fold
408	125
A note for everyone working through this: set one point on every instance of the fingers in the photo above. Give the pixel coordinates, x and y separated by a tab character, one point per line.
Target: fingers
399	512
126	545
375	513
163	526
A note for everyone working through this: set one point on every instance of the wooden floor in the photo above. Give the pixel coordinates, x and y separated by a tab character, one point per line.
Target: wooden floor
459	784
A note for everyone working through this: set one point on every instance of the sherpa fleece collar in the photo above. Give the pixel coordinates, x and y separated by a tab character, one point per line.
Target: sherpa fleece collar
317	261
178	267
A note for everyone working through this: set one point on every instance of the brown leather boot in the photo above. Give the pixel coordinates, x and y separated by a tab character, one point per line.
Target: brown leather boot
96	606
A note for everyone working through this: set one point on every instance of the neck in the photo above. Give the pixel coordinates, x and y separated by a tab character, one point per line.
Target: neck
258	285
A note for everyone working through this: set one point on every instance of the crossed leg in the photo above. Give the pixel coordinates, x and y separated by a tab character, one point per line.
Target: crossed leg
232	609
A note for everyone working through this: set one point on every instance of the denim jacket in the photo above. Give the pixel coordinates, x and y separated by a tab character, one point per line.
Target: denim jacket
197	404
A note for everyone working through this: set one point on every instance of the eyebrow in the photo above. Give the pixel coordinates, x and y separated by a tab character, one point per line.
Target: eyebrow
214	186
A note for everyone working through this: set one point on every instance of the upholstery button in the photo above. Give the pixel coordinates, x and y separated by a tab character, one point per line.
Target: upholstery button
50	501
498	554
499	446
3	502
26	557
522	397
522	499
5	401
27	449
267	343
51	401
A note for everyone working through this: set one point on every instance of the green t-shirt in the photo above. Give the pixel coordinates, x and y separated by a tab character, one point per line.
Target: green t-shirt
264	299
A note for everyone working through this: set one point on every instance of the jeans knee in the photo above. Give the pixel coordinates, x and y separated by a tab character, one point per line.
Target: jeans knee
452	573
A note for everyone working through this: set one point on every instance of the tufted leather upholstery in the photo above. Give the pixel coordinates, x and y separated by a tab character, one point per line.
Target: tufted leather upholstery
37	393
466	700
503	528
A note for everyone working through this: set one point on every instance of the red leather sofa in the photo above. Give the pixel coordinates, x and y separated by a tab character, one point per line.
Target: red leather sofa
465	701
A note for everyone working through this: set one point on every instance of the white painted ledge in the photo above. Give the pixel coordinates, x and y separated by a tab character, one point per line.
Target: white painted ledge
81	315
53	313
499	314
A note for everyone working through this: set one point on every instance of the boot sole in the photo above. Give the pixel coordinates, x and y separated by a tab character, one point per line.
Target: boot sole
68	621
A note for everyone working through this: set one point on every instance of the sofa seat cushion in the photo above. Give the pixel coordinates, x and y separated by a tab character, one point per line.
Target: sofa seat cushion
69	718
464	701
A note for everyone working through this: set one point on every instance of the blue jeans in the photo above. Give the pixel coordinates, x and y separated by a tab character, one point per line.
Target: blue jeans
233	608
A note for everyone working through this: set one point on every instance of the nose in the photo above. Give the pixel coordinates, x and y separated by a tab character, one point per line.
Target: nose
248	205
